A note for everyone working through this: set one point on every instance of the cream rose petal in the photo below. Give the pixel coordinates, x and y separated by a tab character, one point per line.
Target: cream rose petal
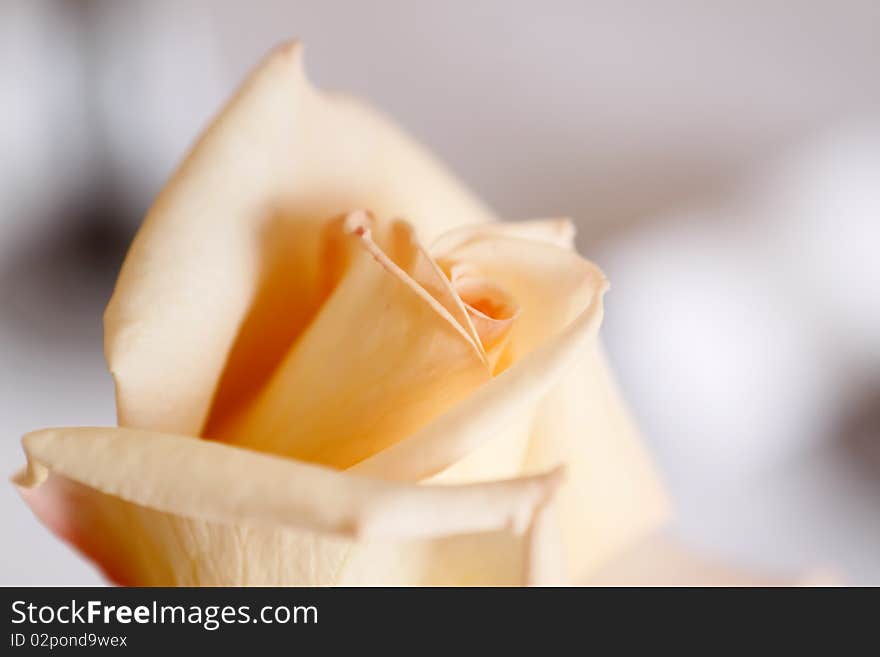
558	232
381	359
614	496
279	160
556	404
158	509
487	434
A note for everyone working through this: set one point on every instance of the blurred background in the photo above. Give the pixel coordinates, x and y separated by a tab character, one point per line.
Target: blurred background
721	160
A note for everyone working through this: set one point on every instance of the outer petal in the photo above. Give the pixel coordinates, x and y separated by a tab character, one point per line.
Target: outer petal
614	496
550	283
157	509
280	158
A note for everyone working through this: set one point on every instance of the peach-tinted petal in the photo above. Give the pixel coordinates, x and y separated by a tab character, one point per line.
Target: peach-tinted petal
159	509
613	496
486	435
491	312
550	284
406	252
557	403
381	359
280	160
546	552
558	232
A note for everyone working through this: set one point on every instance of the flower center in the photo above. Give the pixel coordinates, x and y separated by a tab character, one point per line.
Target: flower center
490	309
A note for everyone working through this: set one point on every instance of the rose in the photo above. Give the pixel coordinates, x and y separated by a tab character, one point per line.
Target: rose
307	395
371	411
436	390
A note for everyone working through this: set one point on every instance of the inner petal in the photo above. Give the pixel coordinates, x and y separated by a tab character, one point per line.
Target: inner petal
388	351
490	309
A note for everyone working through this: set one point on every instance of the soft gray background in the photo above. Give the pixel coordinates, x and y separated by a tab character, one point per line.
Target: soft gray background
722	161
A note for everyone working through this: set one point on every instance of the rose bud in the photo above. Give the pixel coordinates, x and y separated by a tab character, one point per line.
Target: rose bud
333	366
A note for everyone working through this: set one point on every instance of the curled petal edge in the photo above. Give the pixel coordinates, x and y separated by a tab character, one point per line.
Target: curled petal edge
461	430
557	232
189	477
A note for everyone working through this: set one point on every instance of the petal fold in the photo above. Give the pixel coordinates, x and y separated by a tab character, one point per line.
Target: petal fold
614	496
559	296
159	509
556	404
382	358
